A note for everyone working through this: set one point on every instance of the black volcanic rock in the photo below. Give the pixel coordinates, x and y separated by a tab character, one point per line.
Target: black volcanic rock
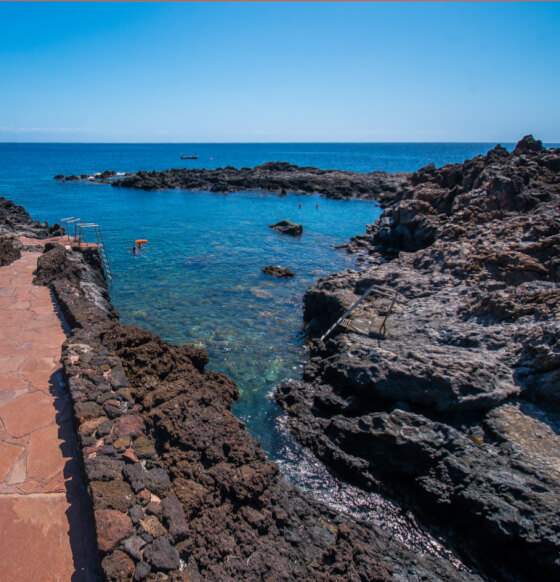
529	144
15	221
288	227
454	406
279	177
10	250
280	272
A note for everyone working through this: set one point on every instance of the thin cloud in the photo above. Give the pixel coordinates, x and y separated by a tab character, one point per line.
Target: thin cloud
8	129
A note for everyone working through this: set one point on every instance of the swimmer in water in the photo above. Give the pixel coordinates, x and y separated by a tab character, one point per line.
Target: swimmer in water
134	250
317	207
300	205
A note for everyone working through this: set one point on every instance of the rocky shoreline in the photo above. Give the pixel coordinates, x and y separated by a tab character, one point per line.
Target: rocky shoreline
179	489
450	405
278	177
454	407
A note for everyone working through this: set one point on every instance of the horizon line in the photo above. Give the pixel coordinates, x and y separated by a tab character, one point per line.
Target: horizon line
264	142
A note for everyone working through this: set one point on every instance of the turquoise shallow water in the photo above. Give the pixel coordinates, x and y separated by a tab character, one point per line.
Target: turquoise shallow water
199	278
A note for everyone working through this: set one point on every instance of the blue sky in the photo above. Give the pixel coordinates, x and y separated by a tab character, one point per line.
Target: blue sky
267	72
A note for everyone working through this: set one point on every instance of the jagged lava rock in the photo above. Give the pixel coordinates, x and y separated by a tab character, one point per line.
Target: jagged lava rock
288	227
279	272
432	408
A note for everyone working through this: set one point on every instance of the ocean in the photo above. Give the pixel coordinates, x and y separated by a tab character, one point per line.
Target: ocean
199	280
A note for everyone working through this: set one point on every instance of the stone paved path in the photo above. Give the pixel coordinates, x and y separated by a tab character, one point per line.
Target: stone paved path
45	528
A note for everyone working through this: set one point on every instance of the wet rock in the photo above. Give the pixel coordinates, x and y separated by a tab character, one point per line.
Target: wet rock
162	555
280	272
288	227
112	527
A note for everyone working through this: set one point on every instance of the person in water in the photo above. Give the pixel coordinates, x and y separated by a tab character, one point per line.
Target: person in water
134	250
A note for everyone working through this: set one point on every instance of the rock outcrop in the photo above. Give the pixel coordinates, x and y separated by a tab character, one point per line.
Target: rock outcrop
279	272
452	402
288	227
277	177
15	221
10	250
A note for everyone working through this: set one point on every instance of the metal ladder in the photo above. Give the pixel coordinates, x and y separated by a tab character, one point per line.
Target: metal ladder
100	245
344	322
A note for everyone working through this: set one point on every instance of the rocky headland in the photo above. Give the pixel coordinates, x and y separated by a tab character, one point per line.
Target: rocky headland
179	489
452	406
276	177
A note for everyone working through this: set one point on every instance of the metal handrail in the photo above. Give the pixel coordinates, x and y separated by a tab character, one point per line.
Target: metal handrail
383	291
67	220
100	246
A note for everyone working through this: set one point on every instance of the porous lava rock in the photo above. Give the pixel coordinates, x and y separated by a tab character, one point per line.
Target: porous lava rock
10	250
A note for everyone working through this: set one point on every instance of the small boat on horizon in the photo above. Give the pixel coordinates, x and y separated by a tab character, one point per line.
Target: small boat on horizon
193	157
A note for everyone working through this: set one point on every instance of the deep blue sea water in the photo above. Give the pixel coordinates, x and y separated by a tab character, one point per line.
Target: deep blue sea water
199	278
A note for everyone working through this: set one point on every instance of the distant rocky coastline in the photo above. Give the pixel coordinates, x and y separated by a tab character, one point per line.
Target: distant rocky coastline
276	177
454	406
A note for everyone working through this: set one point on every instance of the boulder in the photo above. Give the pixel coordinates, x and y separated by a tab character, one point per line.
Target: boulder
288	227
280	272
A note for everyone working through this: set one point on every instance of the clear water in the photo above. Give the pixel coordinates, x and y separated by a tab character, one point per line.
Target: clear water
199	278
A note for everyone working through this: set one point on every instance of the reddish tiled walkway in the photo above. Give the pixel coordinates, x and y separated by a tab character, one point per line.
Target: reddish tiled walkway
45	528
